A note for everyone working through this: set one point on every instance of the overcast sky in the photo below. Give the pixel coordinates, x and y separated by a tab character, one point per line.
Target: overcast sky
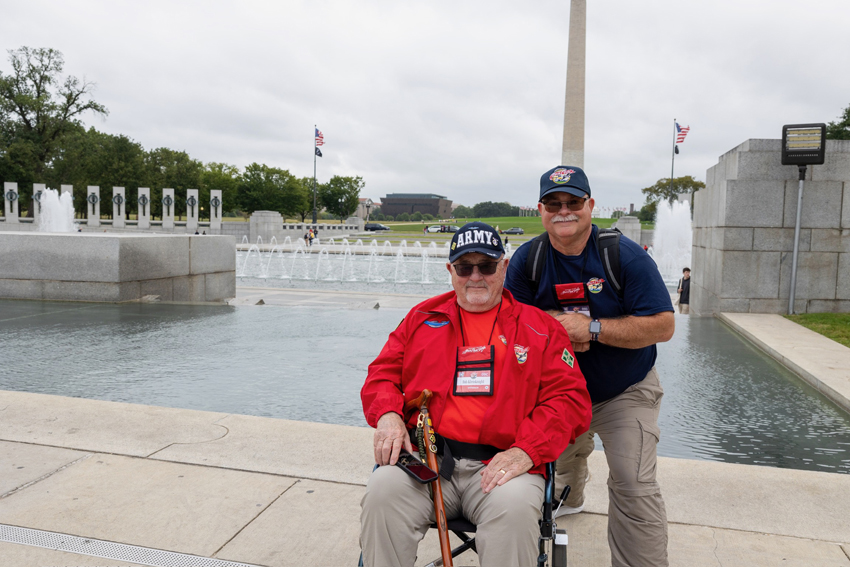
463	99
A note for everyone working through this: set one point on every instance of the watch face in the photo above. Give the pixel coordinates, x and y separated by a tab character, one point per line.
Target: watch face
595	327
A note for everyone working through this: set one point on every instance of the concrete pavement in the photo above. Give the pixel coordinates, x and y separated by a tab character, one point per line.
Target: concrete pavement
273	492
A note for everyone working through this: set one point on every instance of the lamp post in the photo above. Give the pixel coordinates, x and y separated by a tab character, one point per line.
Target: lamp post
368	206
802	145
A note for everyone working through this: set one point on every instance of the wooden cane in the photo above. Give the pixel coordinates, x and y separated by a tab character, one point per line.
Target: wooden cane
431	460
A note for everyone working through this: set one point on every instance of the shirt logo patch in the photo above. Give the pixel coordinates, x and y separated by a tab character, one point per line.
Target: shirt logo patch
521	353
568	358
561	175
595	285
436	324
503	339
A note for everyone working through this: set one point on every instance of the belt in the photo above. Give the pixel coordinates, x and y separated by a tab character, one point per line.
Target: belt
451	450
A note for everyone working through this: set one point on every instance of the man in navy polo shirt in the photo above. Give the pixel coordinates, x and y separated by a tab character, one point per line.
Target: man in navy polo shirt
614	339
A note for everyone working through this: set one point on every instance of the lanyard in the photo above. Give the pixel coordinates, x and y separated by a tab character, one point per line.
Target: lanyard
463	335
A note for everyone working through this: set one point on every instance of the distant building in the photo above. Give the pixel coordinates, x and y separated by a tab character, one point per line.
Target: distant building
365	208
528	212
426	203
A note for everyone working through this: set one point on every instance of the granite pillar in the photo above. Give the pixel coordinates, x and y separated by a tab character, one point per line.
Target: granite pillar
168	209
573	148
193	206
119	207
11	207
215	210
93	205
38	190
143	208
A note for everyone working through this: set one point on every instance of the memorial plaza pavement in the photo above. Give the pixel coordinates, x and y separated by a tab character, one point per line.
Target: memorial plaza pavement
126	484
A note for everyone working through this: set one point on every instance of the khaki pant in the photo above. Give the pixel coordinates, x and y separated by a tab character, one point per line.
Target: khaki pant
396	513
684	308
628	427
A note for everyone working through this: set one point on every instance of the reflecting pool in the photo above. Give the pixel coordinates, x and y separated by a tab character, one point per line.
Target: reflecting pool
724	400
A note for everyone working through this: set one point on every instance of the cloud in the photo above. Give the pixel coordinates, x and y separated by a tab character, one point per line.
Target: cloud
461	99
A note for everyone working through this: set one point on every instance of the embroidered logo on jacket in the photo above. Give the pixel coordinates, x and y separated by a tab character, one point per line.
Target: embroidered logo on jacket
521	353
503	339
568	358
436	324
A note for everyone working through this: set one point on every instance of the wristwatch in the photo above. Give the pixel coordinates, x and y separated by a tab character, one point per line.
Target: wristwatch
595	329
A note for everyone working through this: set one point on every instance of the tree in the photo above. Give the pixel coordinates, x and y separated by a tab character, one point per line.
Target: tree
617	214
220	176
663	190
306	204
167	168
839	130
265	188
340	196
647	212
491	209
37	110
403	217
462	212
416	217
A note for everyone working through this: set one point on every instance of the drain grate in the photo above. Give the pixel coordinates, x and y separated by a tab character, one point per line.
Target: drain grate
108	549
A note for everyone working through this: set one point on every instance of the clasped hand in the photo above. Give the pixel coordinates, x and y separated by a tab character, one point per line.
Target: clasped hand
577	326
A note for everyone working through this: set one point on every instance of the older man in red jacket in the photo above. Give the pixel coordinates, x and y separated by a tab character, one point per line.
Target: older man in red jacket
500	415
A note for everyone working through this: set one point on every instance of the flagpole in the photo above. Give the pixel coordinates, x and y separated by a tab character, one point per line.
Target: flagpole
315	212
673	160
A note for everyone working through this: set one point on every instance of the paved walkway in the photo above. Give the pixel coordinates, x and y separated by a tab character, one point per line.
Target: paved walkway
273	492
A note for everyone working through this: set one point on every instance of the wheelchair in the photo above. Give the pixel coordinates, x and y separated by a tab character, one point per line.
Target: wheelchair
552	542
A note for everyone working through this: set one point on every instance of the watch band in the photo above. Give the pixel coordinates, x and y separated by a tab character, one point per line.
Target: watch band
595	336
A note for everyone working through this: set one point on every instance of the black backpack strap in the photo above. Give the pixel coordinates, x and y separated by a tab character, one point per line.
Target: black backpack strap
608	245
535	260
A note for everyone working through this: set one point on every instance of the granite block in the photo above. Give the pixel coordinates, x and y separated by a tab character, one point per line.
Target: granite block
726	305
163	288
816	275
735	239
64	257
843	289
749	275
830	240
827	306
148	257
821	204
845	206
210	254
754	203
780	239
836	166
91	291
761	145
220	286
189	289
777	306
21	289
764	166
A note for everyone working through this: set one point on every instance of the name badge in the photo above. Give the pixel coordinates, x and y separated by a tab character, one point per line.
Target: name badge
474	371
573	298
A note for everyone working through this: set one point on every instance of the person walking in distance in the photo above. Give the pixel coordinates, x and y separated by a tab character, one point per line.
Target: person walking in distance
685	292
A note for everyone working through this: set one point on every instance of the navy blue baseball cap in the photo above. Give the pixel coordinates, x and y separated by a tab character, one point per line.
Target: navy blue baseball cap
565	178
476	237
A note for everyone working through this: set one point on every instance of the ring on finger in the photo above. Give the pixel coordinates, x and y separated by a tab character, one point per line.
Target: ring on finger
503	471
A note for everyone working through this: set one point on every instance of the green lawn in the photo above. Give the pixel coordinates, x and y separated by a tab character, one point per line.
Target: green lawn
531	225
835	326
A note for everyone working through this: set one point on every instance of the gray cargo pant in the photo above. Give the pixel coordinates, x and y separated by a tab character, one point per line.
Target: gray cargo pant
396	513
628	427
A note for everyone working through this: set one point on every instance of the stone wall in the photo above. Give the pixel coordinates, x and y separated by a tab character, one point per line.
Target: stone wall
117	267
743	237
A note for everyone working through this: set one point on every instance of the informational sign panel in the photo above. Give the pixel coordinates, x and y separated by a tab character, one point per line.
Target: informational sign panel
803	144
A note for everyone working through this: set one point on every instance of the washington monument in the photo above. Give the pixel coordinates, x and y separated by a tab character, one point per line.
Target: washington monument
573	149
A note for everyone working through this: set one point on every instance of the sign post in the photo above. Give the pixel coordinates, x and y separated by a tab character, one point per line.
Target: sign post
802	145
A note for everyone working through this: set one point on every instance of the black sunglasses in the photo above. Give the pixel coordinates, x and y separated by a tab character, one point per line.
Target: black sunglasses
484	268
554	206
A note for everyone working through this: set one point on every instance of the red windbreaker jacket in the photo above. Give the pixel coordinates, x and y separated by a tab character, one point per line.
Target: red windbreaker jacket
541	405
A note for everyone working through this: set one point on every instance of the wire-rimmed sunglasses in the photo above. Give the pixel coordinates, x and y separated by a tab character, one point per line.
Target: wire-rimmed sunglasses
484	268
554	206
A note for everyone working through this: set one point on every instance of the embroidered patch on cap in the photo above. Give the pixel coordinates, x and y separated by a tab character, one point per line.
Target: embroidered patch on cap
594	285
568	358
561	175
521	353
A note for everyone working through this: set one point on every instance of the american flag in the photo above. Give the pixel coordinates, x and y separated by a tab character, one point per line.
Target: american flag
682	132
320	139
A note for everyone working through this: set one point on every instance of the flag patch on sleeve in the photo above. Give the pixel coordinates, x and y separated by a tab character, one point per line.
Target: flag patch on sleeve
568	358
